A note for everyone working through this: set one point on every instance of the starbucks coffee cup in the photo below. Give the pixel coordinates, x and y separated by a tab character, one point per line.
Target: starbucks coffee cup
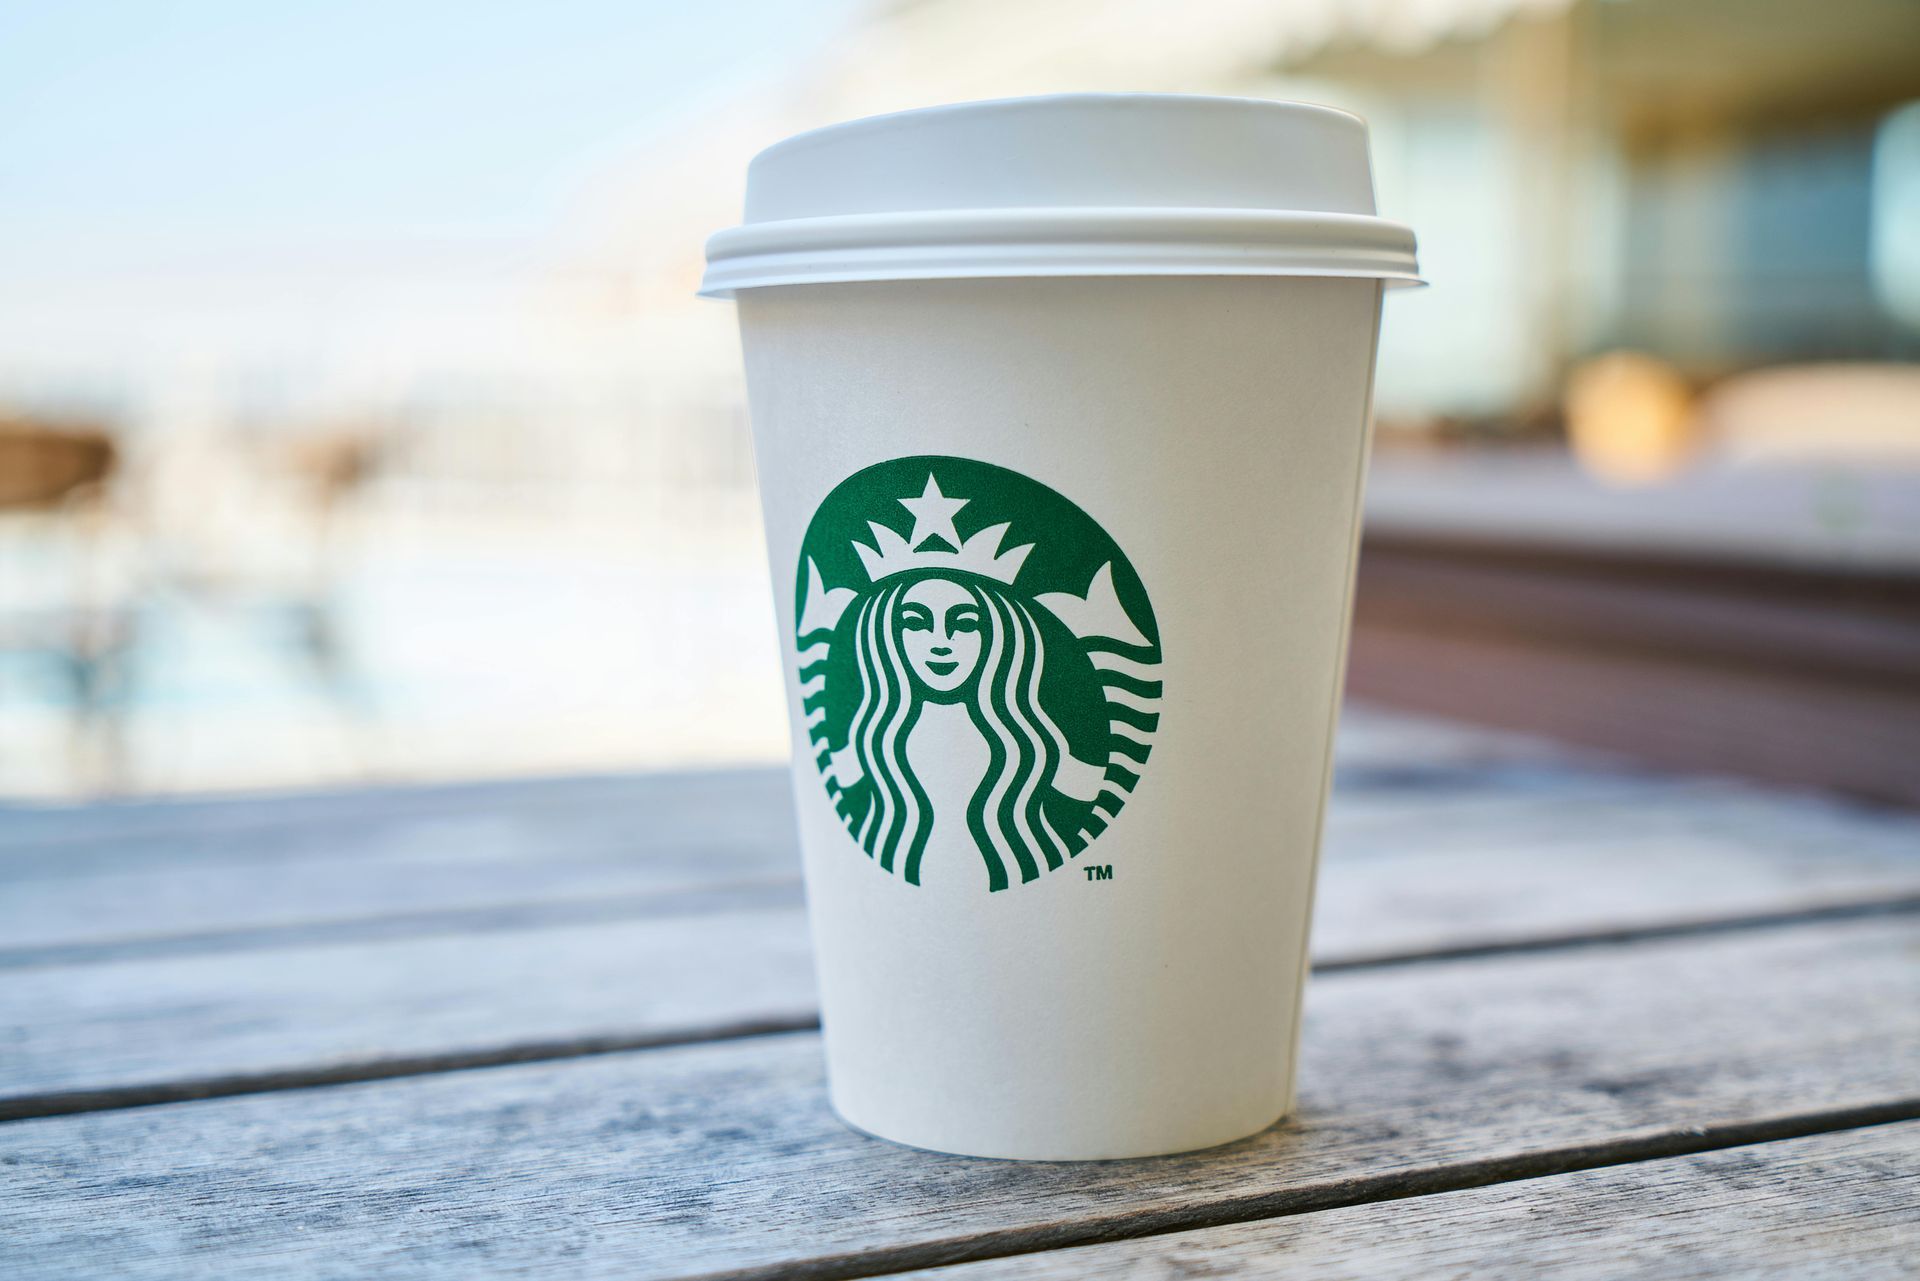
1060	410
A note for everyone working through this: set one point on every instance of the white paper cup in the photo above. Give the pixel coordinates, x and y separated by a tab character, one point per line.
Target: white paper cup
1063	563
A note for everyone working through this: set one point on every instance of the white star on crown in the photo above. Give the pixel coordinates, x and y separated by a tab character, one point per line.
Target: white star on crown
935	544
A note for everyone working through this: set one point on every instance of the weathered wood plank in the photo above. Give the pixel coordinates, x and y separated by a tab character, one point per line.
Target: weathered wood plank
723	1156
320	1005
210	820
319	823
336	823
745	816
483	870
320	1012
350	1003
495	821
450	864
1831	1206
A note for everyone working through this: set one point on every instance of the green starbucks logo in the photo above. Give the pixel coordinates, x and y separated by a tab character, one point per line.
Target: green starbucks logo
979	668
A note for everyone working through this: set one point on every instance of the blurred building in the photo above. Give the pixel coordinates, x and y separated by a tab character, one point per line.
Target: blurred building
427	510
1725	183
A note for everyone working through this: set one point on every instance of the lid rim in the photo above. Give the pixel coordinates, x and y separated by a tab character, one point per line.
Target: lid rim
1058	241
723	289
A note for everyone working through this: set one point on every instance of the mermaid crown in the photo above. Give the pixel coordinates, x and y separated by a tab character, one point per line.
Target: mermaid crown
980	554
935	544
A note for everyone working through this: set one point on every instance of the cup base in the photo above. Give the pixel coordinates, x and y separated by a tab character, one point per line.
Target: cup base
1043	1153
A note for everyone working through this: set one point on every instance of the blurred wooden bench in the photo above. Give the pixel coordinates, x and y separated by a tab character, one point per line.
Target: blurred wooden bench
1730	625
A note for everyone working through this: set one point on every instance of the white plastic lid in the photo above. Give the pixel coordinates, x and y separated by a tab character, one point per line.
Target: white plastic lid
1071	185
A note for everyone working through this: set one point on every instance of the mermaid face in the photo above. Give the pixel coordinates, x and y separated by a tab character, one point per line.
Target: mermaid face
940	631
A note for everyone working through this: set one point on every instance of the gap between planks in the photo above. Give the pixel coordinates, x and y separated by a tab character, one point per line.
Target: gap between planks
513	875
744	889
1398	1186
1374	755
786	892
1833	1205
45	1104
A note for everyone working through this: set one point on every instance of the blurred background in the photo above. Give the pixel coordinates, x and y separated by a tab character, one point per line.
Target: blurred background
358	423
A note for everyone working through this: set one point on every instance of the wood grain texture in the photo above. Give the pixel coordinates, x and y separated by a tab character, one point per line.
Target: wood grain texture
1830	1206
724	1156
730	842
196	1024
655	834
1510	875
1516	867
160	878
96	836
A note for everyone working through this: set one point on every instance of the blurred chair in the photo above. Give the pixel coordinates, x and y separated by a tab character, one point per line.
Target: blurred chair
60	603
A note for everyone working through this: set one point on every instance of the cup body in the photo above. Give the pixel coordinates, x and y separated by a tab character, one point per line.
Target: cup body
1019	954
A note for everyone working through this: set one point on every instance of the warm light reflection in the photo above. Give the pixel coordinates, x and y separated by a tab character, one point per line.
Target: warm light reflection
1630	418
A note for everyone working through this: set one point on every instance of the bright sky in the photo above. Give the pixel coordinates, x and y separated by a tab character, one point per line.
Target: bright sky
150	133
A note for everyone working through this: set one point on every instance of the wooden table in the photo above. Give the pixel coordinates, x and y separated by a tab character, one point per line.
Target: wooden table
1565	1017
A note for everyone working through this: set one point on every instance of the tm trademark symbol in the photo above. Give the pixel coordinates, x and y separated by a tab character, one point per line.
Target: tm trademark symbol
1099	872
